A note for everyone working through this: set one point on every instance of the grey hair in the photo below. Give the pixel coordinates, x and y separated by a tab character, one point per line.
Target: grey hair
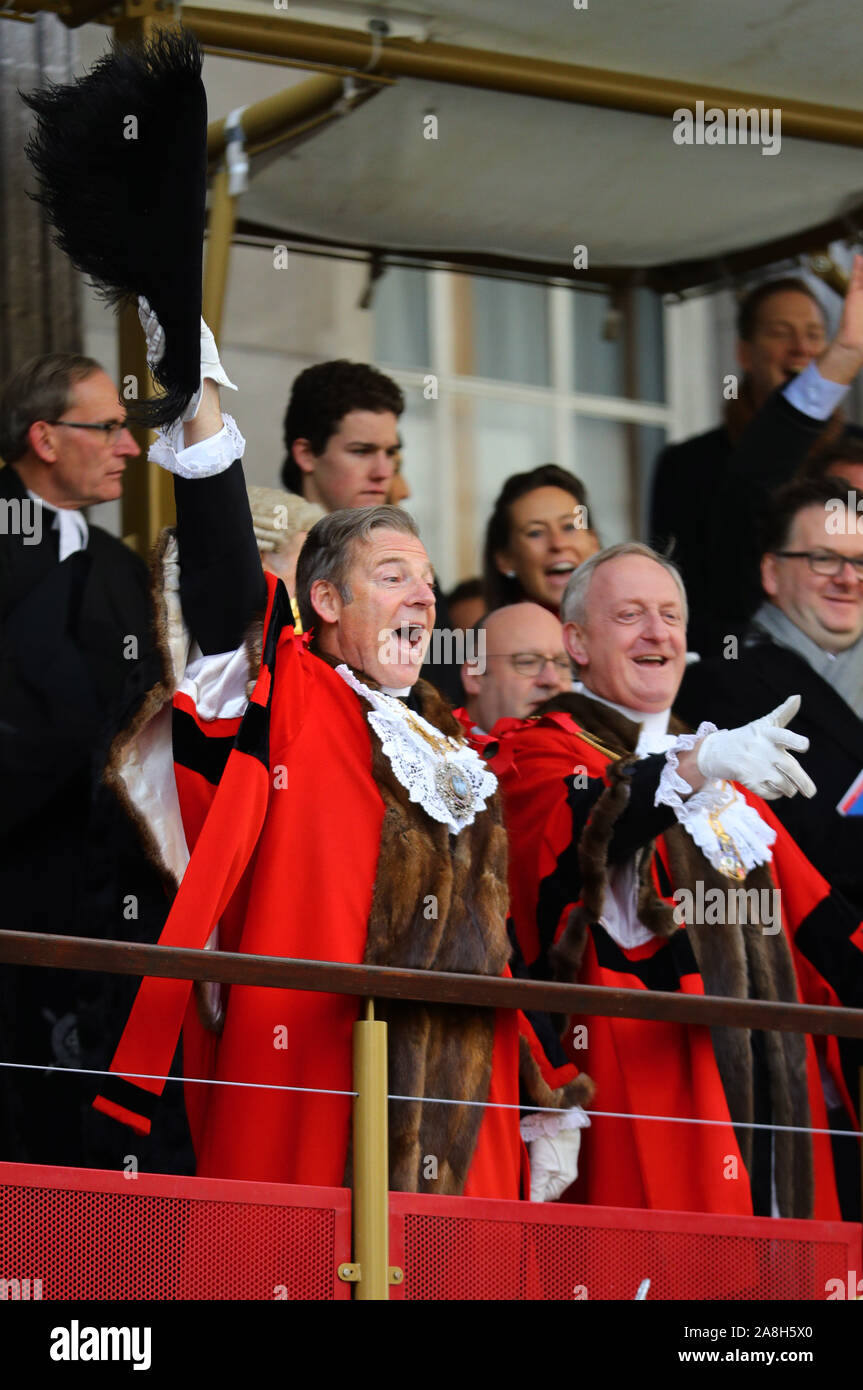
328	550
39	390
573	607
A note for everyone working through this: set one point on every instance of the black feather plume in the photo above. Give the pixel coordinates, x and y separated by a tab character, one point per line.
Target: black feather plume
121	161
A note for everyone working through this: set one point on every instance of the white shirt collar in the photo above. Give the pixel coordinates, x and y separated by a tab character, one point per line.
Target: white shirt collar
74	531
654	723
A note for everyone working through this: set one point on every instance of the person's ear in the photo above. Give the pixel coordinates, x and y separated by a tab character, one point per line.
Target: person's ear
768	575
326	600
503	563
304	455
573	640
743	352
42	441
471	678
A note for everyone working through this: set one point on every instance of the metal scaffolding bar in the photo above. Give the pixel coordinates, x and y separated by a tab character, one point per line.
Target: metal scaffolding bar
278	36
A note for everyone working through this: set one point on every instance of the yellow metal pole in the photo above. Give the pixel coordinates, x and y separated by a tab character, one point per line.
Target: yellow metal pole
278	36
220	233
822	264
276	115
371	1163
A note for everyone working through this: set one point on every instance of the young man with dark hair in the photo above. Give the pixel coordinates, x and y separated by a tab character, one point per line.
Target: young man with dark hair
344	450
714	487
341	435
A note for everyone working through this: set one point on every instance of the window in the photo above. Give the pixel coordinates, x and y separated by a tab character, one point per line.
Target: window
500	376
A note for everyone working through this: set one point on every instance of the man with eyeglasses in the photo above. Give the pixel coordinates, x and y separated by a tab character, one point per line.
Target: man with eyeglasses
74	639
805	636
520	664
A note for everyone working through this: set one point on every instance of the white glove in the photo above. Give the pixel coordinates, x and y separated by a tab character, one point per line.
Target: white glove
211	365
553	1164
756	755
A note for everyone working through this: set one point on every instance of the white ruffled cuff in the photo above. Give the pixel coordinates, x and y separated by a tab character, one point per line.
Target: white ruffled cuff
544	1125
672	787
202	460
752	838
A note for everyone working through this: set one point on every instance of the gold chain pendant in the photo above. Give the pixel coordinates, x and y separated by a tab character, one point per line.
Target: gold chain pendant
730	863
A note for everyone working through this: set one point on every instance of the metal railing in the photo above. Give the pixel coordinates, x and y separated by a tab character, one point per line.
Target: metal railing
370	1272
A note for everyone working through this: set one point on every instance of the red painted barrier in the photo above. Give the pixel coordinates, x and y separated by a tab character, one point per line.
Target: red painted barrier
464	1248
90	1234
87	1234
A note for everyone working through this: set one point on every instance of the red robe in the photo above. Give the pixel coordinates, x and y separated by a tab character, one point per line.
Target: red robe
283	819
642	1067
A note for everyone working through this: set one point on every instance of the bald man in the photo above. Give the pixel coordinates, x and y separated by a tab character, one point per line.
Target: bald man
524	663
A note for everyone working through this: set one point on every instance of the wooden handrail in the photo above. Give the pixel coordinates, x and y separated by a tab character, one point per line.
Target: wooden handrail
385	982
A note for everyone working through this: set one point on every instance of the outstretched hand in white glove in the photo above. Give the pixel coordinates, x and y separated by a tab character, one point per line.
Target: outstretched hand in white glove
757	755
211	365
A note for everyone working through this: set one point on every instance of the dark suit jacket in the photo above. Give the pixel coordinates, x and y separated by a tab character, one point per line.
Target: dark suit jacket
708	505
733	692
75	657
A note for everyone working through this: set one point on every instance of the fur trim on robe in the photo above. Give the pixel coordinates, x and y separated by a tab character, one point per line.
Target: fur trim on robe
735	962
439	903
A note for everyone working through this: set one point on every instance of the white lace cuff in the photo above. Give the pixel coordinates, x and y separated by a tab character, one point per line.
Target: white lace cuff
716	807
542	1124
672	787
201	460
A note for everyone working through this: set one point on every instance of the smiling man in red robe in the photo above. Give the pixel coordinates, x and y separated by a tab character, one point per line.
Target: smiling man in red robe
623	825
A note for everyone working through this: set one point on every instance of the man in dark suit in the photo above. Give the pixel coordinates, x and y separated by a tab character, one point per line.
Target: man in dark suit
787	406
74	646
805	638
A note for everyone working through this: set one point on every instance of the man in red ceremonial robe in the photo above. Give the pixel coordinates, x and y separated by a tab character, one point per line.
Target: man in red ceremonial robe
332	811
641	858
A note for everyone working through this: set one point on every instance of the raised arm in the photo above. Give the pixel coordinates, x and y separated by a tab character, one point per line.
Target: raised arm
781	434
222	583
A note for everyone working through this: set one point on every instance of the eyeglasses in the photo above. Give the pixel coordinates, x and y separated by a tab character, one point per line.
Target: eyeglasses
111	429
825	562
531	663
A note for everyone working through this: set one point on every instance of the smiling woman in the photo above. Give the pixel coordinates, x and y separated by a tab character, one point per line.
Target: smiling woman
538	534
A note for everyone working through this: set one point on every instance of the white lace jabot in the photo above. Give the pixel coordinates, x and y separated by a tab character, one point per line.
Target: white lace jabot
448	779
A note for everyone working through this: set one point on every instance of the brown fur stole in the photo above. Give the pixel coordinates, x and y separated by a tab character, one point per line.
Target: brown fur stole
735	961
439	903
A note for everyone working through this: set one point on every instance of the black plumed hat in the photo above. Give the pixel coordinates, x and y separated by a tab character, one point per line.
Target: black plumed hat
121	161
